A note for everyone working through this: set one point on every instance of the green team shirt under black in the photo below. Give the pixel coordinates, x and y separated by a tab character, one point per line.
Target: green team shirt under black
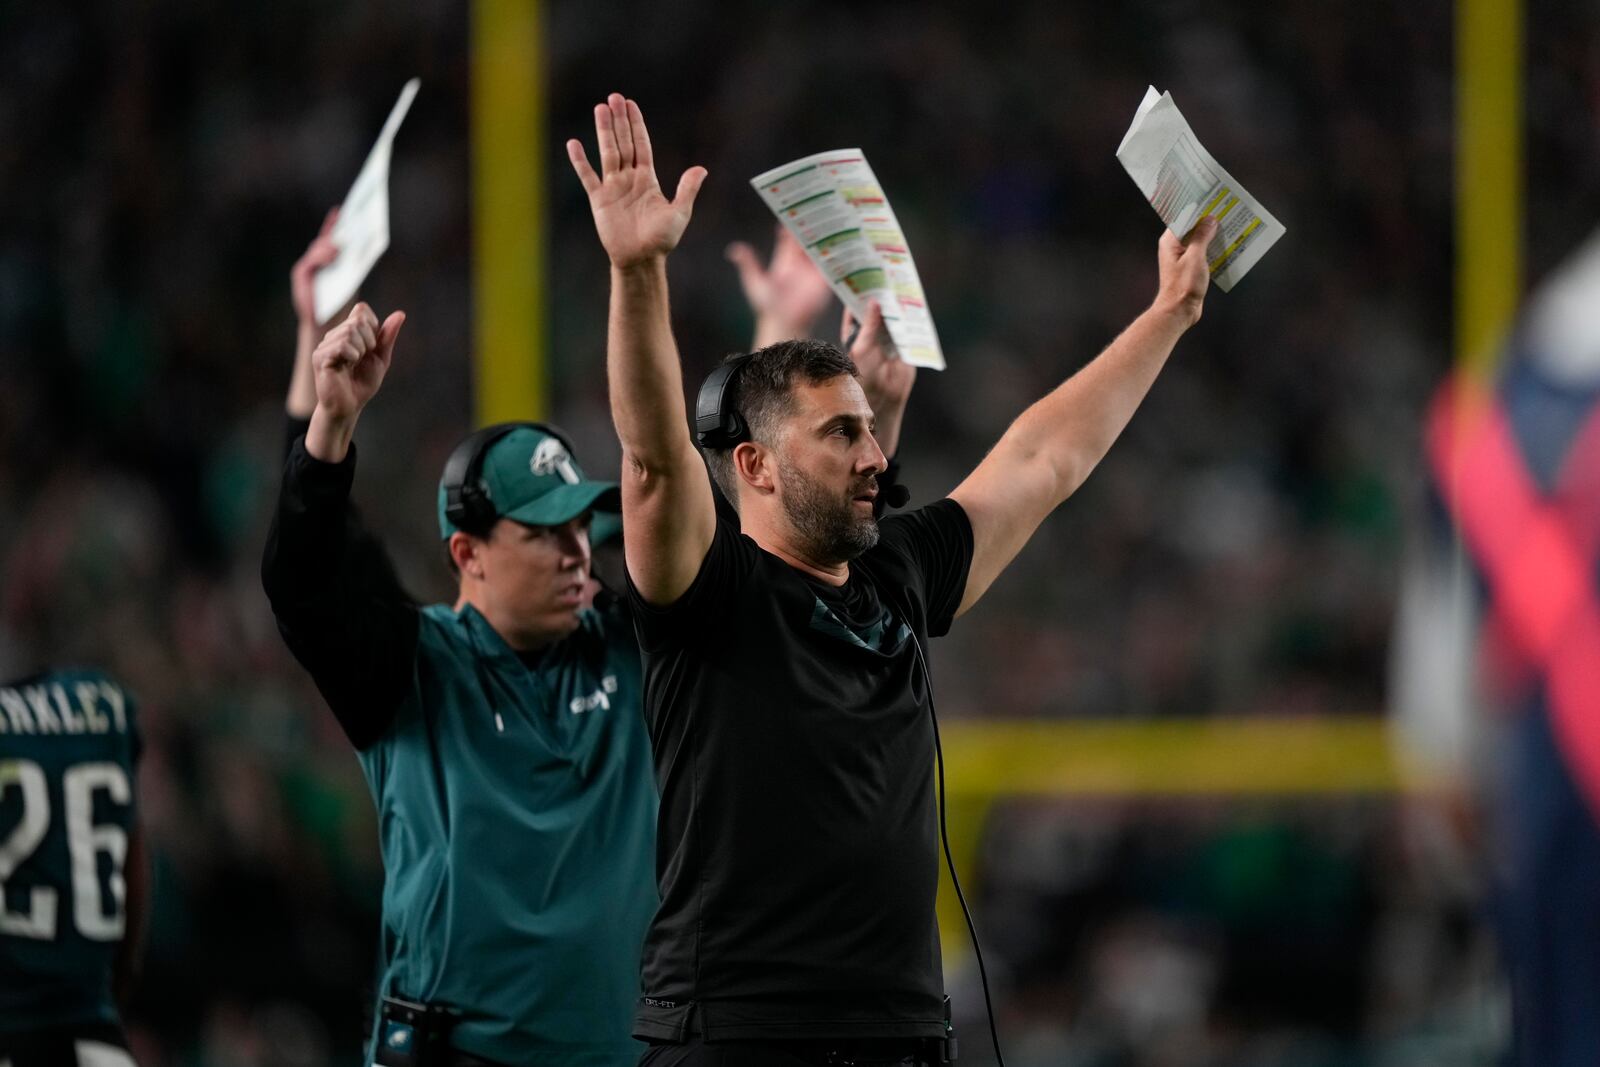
797	848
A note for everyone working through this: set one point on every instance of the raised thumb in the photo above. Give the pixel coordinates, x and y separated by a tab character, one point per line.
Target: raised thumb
689	188
387	334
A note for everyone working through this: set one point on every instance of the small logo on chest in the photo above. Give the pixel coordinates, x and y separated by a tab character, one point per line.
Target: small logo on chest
600	698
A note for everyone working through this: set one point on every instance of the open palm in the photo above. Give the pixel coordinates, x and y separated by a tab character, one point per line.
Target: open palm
636	222
789	291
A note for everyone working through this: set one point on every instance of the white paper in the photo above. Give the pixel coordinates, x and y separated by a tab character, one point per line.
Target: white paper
1184	183
833	204
362	232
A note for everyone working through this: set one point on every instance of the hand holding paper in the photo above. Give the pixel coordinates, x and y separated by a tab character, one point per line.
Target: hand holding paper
1183	183
885	377
303	275
834	206
1184	267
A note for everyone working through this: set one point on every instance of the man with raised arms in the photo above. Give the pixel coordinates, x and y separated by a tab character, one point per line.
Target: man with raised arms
785	686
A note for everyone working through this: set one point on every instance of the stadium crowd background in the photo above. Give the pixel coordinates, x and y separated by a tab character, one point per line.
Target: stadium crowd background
163	163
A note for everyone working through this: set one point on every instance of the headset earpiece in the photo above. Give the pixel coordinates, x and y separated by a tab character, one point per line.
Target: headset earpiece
716	423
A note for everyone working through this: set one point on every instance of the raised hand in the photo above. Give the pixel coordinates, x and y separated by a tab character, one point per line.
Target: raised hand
1185	271
302	396
636	223
348	366
885	377
318	254
786	295
352	360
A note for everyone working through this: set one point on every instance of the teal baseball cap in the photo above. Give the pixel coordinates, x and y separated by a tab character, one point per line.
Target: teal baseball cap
530	477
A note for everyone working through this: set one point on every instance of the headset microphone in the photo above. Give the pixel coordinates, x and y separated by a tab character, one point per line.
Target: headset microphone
896	496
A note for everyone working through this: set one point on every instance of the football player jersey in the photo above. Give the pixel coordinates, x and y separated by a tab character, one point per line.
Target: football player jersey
68	746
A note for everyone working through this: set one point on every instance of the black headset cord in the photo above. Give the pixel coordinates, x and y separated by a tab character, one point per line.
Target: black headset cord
944	838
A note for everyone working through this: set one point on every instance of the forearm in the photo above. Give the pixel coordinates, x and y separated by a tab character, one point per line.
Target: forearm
1054	445
301	399
646	378
328	437
770	329
669	515
888	428
1051	449
1067	433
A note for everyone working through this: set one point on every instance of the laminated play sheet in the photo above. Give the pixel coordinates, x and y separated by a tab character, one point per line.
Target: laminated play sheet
833	204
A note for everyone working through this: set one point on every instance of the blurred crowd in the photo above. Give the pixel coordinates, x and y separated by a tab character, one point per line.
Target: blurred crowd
164	163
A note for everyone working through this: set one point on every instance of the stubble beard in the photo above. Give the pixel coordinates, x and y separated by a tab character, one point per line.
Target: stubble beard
826	525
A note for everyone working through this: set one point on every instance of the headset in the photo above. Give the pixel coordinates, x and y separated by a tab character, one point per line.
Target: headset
467	504
717	423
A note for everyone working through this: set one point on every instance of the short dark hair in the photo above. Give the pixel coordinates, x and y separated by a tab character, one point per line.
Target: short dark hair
763	395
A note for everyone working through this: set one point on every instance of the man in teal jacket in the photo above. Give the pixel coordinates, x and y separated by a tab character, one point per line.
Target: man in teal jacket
500	736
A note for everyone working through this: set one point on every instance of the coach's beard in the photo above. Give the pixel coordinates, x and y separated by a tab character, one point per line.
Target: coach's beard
827	526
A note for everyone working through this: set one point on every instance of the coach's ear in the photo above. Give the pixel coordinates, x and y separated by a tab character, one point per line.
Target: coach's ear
467	552
754	465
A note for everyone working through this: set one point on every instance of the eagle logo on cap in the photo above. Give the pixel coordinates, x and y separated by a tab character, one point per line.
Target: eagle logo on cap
551	457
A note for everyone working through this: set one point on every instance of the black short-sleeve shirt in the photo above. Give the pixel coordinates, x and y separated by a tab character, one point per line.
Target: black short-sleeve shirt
797	850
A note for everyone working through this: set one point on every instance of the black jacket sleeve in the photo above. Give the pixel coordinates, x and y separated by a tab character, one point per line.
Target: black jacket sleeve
294	428
338	602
